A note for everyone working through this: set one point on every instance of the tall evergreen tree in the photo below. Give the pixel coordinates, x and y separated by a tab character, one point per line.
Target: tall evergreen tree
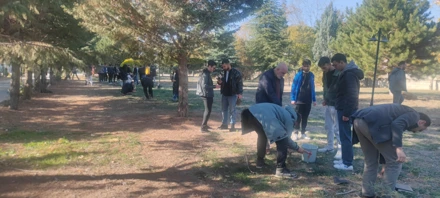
37	32
172	27
326	29
407	25
270	42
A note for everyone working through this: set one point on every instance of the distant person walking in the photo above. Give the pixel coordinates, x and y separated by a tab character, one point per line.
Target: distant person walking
397	82
75	73
175	80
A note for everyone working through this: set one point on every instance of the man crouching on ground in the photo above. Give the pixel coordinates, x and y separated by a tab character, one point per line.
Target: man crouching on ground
380	130
275	123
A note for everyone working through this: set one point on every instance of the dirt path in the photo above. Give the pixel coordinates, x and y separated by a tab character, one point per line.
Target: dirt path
172	148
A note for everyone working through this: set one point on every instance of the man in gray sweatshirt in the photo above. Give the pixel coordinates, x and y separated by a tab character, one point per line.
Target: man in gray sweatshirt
397	82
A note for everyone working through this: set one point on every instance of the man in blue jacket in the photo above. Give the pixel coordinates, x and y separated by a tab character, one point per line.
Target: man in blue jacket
271	85
274	123
380	130
347	102
302	95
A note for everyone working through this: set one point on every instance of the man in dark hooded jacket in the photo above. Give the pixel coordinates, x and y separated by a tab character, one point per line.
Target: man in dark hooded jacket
397	82
347	102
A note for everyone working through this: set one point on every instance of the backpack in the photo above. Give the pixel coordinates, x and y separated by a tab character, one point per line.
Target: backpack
147	70
199	90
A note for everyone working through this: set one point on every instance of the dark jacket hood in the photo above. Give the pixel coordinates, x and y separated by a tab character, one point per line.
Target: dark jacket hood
352	67
395	70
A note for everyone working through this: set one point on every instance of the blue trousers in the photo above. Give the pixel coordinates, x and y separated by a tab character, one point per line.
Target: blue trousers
346	135
228	108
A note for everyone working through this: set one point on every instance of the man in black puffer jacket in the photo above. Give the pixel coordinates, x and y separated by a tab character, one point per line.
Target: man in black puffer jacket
347	103
205	89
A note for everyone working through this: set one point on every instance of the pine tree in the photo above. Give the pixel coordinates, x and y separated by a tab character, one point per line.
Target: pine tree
172	28
269	43
31	28
407	25
326	29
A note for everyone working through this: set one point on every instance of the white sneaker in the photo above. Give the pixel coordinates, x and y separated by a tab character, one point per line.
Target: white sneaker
337	162
294	136
343	167
305	137
325	149
338	155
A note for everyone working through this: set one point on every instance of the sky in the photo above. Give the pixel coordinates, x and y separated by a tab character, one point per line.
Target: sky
309	11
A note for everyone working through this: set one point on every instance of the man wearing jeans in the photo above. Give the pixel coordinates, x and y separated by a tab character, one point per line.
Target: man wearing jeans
231	90
329	80
347	101
380	129
275	124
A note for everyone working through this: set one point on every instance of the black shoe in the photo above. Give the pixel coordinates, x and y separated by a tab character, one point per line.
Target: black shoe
222	127
260	163
285	173
232	129
204	129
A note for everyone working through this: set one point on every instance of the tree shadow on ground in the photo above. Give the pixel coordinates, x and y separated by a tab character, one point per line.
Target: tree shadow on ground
225	177
78	109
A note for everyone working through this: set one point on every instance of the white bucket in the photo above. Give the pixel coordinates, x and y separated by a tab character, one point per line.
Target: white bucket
311	148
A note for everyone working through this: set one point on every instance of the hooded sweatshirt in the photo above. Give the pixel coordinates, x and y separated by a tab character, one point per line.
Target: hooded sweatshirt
348	86
397	80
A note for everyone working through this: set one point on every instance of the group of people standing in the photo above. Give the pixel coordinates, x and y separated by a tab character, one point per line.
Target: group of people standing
379	129
231	89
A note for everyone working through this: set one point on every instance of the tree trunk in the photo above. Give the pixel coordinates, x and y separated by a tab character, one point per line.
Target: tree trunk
183	85
27	91
14	92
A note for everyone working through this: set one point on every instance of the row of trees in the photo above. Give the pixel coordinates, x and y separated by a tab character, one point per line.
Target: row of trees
412	33
43	34
54	36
